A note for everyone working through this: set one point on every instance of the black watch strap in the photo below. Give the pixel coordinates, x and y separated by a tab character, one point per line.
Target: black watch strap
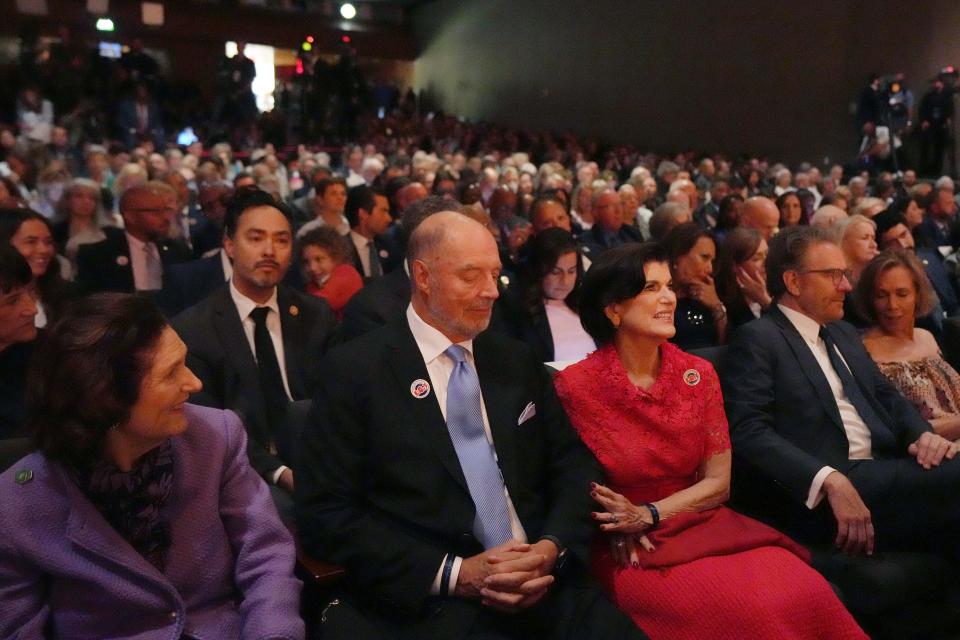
561	555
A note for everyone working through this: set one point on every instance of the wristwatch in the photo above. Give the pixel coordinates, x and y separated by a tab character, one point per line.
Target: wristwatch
561	556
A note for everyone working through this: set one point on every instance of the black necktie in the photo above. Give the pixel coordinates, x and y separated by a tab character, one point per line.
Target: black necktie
375	270
271	380
851	388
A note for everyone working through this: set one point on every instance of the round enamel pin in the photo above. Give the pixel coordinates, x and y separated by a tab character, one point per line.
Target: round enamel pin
123	261
420	389
691	377
294	310
384	254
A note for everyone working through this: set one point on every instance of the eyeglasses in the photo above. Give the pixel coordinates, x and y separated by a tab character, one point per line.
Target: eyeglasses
836	275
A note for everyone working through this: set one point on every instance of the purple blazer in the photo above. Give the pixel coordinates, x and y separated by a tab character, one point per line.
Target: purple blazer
66	573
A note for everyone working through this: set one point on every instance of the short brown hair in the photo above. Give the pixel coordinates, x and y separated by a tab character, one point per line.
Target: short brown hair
86	375
863	294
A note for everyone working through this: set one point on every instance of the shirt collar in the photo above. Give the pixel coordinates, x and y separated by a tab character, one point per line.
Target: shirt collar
430	340
136	244
245	305
808	328
359	239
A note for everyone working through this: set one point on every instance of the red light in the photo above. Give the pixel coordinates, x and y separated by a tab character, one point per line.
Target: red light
310	39
345	39
299	70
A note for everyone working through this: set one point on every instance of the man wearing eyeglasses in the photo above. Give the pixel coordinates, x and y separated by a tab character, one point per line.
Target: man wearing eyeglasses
133	258
837	453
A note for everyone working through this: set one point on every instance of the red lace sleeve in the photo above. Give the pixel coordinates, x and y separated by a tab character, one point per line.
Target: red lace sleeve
715	418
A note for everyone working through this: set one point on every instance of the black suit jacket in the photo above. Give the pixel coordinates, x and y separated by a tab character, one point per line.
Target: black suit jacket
186	284
380	302
220	355
784	420
595	242
390	257
106	266
380	489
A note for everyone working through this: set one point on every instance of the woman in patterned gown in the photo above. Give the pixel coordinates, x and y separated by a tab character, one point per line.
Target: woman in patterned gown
891	294
670	555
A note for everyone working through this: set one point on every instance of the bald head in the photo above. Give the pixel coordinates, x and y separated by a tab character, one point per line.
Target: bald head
454	270
761	214
825	216
409	194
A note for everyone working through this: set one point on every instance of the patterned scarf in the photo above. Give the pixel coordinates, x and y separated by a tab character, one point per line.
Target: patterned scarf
132	501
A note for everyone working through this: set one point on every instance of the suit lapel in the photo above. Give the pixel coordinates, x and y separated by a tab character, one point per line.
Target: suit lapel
809	365
294	341
407	365
121	260
226	321
498	391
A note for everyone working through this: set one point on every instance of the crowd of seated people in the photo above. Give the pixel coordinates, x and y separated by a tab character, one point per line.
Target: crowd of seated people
408	287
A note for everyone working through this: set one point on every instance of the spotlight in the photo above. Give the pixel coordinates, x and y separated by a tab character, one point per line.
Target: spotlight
104	24
348	11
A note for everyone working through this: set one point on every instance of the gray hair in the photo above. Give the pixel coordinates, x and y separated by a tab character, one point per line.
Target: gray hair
665	218
787	252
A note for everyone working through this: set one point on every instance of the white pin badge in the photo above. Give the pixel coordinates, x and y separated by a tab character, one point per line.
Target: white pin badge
691	377
384	254
123	261
420	389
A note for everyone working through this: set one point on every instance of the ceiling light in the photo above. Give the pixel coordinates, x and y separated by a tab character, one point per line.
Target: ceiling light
348	11
104	24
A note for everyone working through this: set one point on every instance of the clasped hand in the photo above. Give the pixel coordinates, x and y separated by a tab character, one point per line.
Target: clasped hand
626	521
510	577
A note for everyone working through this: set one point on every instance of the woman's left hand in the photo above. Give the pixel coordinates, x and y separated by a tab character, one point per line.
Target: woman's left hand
621	515
705	293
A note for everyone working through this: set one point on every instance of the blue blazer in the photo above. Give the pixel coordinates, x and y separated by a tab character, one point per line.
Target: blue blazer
66	573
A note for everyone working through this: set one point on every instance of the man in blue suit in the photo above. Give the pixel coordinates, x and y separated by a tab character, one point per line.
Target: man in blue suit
818	426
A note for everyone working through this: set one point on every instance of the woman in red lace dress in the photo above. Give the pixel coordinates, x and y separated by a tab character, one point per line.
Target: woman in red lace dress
675	559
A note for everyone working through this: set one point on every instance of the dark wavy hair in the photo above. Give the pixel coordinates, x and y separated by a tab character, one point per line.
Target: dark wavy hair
87	372
51	286
737	247
617	275
542	252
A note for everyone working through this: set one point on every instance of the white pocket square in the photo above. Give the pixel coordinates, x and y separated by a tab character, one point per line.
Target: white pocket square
529	411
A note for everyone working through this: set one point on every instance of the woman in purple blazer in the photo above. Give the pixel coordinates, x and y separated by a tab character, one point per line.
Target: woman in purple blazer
138	516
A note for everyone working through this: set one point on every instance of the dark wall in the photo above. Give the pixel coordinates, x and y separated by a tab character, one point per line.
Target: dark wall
776	77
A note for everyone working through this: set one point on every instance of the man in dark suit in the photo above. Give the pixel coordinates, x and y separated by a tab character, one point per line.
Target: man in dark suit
133	258
368	213
440	469
138	118
255	344
817	425
608	231
385	299
939	227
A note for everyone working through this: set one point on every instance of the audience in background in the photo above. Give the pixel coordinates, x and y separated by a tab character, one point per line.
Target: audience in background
701	317
324	256
30	234
545	314
18	331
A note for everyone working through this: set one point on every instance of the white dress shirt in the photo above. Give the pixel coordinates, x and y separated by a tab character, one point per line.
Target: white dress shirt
244	306
858	434
138	262
432	345
570	341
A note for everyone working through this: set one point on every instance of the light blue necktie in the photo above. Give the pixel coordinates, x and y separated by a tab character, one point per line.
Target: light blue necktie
465	424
